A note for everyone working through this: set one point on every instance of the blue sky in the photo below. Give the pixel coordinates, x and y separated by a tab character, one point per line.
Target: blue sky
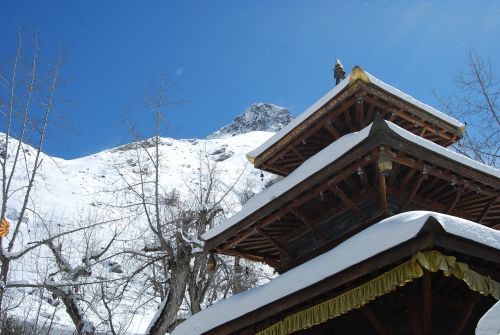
222	56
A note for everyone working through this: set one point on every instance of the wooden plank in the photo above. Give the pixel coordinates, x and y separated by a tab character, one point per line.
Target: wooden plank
394	173
364	179
308	132
485	211
331	129
413	192
275	242
408	177
345	199
383	193
360	112
298	153
458	194
348	120
310	225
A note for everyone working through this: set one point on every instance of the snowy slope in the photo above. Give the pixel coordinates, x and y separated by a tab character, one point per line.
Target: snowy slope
72	192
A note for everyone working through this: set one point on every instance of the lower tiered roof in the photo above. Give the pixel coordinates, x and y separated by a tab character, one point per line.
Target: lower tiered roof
354	182
442	259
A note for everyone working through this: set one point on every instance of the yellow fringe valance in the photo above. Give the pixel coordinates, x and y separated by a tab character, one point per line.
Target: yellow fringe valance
432	261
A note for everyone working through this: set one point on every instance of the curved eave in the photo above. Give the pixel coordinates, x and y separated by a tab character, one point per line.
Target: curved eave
272	195
265	151
390	241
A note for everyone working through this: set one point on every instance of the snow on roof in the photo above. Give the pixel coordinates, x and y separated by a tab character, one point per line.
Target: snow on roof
327	156
309	167
336	90
366	244
489	324
444	151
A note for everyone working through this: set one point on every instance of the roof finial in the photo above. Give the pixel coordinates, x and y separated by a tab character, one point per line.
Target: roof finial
338	72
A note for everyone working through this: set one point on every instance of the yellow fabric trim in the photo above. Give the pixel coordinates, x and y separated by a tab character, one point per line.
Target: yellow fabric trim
432	261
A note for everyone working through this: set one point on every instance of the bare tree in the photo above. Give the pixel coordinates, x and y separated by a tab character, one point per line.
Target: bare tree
476	102
22	114
36	244
170	262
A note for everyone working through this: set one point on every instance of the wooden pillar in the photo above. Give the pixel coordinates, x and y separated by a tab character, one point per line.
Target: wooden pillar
427	303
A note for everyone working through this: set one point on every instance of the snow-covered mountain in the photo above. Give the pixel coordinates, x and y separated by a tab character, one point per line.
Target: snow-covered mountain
68	192
257	117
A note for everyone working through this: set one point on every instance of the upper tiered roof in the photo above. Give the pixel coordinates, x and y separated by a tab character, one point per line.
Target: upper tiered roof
355	181
351	106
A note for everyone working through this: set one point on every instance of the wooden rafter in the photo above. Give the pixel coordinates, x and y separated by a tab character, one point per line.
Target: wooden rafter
309	132
408	176
400	113
364	179
458	194
310	225
331	129
394	174
360	112
382	193
298	153
346	200
486	209
348	120
306	197
413	192
274	242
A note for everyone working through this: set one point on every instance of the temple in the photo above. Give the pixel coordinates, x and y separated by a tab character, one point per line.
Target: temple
376	228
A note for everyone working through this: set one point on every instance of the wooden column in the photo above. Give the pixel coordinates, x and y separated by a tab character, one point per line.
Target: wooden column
427	303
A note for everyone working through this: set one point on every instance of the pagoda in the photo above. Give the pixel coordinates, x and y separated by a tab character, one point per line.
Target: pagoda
376	228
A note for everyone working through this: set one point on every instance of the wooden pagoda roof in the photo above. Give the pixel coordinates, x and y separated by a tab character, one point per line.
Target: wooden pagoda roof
340	191
363	257
349	107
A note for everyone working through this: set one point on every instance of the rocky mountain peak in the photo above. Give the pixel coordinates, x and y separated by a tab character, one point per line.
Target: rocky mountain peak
257	117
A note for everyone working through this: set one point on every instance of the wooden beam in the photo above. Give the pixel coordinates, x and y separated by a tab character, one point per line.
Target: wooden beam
276	243
383	193
309	224
486	209
427	302
334	211
410	118
364	179
445	175
345	199
394	173
413	192
408	177
251	256
348	120
429	203
298	153
360	113
376	323
308	132
331	129
371	109
458	194
416	311
301	200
